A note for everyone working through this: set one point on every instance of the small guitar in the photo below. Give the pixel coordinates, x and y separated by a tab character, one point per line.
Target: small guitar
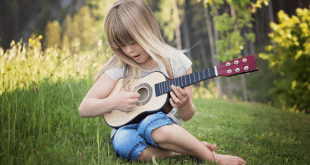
154	89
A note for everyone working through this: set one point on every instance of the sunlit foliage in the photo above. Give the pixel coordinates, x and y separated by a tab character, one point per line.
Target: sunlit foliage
290	57
23	65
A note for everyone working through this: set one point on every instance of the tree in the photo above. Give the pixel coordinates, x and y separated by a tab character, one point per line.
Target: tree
186	28
212	39
168	18
98	11
68	28
227	31
86	24
52	34
291	57
76	32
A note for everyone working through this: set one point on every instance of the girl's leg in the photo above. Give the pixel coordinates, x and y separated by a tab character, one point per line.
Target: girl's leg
177	139
151	151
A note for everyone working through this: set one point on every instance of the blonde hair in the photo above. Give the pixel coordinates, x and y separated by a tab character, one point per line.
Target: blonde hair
129	22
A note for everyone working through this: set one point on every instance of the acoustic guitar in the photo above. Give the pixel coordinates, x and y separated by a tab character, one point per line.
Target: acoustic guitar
155	87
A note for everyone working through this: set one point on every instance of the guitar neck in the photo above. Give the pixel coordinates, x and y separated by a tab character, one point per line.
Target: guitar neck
183	81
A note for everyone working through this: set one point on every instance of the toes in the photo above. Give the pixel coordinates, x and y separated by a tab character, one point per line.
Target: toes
214	147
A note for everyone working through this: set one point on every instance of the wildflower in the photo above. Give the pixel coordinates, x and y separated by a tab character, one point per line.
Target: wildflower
29	66
3	73
8	68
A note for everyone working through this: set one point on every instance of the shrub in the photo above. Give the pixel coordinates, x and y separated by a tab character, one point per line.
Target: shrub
290	56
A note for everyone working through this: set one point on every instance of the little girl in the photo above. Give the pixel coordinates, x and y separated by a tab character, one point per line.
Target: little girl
134	36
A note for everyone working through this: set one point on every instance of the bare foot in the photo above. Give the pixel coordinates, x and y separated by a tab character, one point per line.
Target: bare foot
229	160
211	147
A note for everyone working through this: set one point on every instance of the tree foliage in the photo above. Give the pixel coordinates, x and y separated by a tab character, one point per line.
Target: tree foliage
86	24
52	34
229	25
79	31
291	57
166	19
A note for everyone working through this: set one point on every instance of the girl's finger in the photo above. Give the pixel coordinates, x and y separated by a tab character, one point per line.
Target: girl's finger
176	91
174	97
172	103
181	91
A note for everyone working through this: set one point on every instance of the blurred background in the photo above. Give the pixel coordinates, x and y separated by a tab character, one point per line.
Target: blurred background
65	38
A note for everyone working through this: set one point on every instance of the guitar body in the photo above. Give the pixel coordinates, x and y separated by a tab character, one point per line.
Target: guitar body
148	102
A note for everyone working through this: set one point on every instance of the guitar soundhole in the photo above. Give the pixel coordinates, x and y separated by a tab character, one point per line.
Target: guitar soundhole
145	91
143	94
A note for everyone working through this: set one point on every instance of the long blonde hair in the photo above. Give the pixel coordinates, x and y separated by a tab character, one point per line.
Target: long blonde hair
129	22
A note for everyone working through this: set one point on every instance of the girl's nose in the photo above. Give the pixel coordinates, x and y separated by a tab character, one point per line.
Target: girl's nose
129	48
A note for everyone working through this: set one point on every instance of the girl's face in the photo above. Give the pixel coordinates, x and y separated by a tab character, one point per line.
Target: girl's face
137	53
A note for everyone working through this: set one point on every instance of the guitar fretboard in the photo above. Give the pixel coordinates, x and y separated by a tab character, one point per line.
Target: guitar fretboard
183	81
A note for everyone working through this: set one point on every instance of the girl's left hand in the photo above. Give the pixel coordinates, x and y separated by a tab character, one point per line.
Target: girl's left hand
179	97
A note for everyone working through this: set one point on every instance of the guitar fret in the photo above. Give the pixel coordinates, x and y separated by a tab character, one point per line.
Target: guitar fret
158	90
203	72
168	86
196	75
164	87
209	72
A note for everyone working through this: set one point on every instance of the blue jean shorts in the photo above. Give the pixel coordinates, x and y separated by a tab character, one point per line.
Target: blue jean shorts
129	141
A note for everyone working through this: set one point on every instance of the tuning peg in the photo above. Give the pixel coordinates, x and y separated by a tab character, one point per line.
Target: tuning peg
246	68
228	64
237	70
236	62
244	60
229	71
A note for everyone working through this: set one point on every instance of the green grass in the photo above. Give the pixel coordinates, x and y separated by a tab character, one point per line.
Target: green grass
40	124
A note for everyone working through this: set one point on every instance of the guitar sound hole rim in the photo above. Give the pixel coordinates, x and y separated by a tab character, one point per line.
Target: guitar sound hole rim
145	91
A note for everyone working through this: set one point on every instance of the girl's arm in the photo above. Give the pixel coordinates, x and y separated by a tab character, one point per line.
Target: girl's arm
96	103
183	99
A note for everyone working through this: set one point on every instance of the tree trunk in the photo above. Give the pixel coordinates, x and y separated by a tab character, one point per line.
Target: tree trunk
257	29
263	25
218	80
299	3
177	25
251	44
270	12
229	82
271	19
243	76
186	30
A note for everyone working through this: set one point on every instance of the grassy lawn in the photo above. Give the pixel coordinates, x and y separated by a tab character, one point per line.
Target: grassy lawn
40	124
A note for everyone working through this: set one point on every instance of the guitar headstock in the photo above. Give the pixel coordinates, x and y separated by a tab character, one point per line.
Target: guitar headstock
237	66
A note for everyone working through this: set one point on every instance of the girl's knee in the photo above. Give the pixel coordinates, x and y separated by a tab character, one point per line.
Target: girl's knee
128	145
162	134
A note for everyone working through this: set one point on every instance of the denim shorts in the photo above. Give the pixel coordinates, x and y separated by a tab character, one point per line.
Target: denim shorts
129	141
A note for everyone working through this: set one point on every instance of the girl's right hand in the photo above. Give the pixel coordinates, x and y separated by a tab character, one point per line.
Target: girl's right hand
126	101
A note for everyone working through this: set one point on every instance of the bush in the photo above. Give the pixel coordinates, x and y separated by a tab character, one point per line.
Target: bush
23	65
290	56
